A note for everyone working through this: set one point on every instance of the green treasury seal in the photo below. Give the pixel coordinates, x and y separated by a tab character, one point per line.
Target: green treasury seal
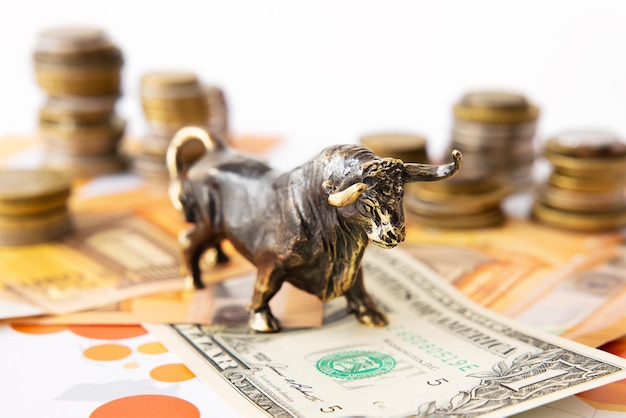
355	364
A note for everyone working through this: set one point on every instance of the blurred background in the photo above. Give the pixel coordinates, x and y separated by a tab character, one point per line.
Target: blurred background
320	73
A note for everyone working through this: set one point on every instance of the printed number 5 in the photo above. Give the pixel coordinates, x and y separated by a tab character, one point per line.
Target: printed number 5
437	382
330	409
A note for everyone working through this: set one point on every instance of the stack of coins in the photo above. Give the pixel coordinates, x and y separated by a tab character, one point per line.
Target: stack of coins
586	190
33	206
495	131
409	148
171	100
464	201
79	69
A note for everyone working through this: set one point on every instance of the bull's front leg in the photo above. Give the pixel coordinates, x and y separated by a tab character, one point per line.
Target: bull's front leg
267	284
362	305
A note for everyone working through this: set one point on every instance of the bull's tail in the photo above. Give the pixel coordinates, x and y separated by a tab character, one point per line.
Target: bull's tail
174	160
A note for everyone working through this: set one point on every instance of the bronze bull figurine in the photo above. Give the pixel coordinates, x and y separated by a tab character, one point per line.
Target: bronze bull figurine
309	226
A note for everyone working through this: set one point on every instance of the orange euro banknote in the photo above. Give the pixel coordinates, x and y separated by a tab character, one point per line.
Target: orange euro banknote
568	283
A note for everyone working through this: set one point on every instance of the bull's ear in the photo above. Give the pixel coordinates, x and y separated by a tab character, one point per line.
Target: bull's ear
347	196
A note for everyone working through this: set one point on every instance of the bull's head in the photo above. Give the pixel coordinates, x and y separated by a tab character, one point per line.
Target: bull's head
374	199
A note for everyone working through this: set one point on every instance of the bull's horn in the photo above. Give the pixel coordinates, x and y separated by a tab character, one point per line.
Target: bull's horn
428	172
347	196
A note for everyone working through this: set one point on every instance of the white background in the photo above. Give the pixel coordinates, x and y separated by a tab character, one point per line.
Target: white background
323	72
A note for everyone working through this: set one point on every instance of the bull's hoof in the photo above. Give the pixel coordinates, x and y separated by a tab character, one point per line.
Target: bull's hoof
264	321
372	318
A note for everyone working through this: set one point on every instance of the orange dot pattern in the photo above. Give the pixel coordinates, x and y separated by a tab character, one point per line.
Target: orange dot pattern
147	406
107	332
152	348
174	372
139	406
38	329
131	365
107	352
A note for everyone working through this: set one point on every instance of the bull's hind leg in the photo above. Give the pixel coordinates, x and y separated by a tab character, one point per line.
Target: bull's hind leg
268	282
194	242
362	305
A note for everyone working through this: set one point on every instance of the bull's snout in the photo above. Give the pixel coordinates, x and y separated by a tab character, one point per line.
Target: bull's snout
388	236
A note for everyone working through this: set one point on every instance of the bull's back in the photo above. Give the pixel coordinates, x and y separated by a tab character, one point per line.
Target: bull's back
235	187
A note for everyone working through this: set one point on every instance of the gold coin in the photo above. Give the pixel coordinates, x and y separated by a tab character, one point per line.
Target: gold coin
434	209
82	82
92	58
587	144
55	228
174	104
150	166
491	218
33	221
495	99
461	184
168	79
170	84
71	39
217	99
101	146
460	198
576	221
506	147
155	146
81	110
586	167
84	166
108	84
25	185
488	115
407	147
582	184
178	122
83	61
110	130
584	202
35	205
495	131
495	107
176	113
68	88
494	162
83	72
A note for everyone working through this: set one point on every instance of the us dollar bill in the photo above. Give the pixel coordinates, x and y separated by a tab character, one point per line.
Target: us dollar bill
441	355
